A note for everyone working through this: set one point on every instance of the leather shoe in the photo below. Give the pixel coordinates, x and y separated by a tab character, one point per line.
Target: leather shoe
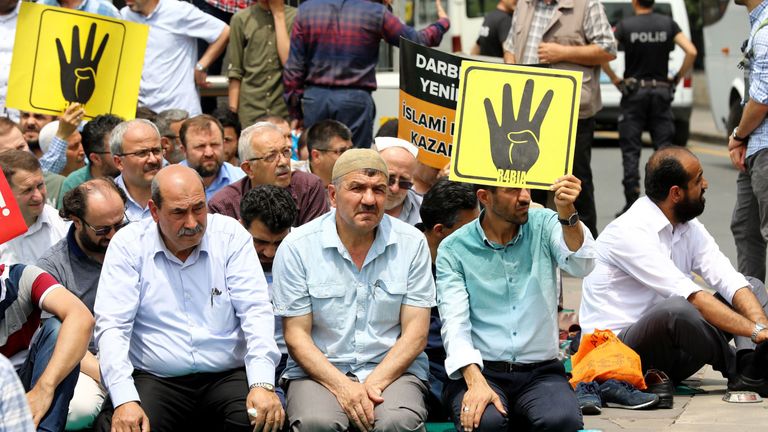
742	383
659	383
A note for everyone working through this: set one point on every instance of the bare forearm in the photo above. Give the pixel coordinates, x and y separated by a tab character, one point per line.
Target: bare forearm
89	365
304	351
745	302
687	65
282	37
396	362
609	71
754	114
587	55
720	315
71	345
234	94
215	49
509	58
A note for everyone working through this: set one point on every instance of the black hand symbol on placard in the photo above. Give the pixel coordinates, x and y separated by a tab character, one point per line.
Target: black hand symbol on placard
515	142
78	75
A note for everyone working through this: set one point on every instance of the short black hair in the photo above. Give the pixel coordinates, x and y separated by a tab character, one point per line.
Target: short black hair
441	205
664	170
319	136
646	3
74	202
95	131
271	205
227	119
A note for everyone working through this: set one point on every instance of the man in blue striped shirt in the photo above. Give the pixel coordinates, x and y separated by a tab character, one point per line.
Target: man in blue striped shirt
746	147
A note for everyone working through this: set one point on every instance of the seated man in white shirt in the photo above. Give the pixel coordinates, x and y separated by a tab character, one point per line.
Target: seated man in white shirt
184	325
642	287
45	227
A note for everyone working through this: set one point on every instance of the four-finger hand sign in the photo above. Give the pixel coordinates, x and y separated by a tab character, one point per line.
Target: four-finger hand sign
515	140
78	75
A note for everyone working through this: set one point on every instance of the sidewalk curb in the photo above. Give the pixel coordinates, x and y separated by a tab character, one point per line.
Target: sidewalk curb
709	138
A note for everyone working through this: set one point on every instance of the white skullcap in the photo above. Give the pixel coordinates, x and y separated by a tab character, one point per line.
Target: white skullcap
383	143
46	135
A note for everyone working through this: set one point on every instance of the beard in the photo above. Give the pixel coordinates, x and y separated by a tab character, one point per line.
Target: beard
208	172
90	245
689	209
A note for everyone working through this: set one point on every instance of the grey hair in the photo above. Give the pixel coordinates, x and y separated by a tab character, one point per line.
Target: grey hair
244	148
116	137
165	118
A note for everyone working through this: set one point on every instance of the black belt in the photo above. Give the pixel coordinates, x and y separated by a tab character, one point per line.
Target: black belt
507	367
653	83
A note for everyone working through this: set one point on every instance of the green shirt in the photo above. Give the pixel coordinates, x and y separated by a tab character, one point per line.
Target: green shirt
73	180
254	61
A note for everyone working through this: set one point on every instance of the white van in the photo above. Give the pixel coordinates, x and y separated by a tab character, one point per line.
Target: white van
607	118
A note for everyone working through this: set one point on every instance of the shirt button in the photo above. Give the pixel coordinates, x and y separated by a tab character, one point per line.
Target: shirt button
514	333
514	307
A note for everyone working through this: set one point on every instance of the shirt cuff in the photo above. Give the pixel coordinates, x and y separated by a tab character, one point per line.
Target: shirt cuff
123	392
732	284
454	363
586	250
260	371
420	303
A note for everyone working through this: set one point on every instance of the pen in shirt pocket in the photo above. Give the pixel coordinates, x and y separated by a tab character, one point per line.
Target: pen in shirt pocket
214	292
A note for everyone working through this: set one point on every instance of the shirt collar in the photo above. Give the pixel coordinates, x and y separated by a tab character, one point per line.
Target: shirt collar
74	248
385	236
131	202
159	244
43	219
655	218
490	243
755	15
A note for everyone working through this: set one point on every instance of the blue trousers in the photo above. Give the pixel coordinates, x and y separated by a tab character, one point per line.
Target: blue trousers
40	352
353	107
536	400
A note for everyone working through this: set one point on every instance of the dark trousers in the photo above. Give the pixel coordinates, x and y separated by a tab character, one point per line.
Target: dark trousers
40	353
582	158
208	103
216	400
675	338
353	107
536	400
646	109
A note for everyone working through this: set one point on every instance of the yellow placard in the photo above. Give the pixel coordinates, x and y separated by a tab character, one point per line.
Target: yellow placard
62	56
515	125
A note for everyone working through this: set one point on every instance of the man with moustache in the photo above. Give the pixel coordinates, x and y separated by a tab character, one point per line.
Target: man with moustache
184	325
95	141
202	138
355	291
265	156
642	287
497	294
138	154
97	211
31	124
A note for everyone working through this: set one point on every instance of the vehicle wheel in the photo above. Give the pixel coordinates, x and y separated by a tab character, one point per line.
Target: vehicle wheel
734	115
682	132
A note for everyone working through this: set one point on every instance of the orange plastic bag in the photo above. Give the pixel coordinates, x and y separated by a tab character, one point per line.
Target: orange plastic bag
602	356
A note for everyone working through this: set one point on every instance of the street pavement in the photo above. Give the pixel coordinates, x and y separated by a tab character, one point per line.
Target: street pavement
702	412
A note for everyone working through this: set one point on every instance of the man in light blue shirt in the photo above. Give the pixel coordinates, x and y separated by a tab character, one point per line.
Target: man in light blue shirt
202	139
184	323
355	289
497	295
100	7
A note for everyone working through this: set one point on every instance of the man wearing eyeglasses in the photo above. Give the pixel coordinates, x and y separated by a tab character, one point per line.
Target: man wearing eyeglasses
326	141
45	227
402	201
138	154
265	157
97	211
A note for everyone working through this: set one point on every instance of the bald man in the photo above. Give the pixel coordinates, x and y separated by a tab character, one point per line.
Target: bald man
402	201
185	328
642	286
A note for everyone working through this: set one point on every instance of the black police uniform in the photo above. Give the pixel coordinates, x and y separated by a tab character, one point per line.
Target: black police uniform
647	40
494	32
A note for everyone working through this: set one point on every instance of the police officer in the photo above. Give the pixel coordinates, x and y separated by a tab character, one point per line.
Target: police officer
647	88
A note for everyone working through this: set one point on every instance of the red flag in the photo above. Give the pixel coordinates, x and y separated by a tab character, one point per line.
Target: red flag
11	221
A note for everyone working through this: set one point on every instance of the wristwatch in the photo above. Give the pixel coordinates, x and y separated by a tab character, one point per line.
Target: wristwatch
758	328
199	67
571	221
736	137
265	386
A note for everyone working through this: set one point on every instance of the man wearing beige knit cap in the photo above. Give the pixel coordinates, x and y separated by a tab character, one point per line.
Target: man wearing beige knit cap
355	289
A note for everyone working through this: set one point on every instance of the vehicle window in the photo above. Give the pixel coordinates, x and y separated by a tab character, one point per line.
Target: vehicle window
478	8
618	11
